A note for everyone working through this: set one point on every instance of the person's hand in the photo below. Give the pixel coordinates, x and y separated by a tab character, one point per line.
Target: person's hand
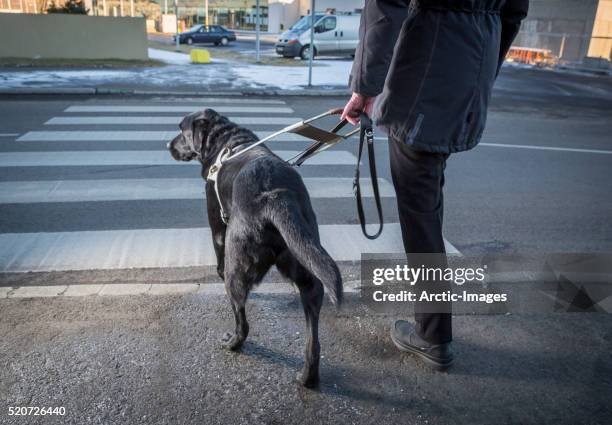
355	106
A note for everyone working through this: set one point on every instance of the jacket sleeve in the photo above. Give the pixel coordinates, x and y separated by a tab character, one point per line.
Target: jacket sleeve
511	14
381	21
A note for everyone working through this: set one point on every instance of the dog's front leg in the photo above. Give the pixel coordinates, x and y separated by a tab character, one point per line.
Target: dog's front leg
219	246
217	228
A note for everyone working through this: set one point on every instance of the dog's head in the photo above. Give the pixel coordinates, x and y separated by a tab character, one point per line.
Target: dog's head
193	140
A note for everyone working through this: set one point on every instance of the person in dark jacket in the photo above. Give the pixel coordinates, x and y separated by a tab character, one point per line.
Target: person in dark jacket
424	70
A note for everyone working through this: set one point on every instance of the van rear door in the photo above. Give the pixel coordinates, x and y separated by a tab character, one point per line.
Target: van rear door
348	34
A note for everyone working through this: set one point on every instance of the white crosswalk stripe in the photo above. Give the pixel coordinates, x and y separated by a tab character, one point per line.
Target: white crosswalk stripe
114	249
183	108
125	135
167	188
198	102
154	247
162	120
161	157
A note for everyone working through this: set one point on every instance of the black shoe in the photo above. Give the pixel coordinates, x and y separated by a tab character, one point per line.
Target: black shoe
406	339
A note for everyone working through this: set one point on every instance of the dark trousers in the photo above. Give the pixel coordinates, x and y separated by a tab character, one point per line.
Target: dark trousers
418	178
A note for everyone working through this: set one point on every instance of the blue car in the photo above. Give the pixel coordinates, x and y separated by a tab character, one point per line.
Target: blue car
215	34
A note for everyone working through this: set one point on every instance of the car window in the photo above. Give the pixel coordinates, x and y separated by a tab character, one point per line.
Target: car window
214	28
327	24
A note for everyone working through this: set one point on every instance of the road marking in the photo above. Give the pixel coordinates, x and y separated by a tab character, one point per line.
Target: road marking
156	189
225	100
547	148
163	120
119	249
536	147
212	100
9	134
118	158
125	135
182	108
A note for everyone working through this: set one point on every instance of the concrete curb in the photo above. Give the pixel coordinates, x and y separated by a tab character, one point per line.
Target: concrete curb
95	91
118	289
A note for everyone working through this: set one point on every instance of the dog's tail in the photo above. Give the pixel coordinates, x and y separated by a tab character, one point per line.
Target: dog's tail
304	244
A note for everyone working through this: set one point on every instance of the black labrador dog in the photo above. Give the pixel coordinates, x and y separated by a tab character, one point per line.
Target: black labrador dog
270	222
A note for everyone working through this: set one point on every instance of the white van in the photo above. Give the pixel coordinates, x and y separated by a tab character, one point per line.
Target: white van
335	34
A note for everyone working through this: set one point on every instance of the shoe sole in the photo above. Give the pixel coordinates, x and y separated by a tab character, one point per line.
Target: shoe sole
431	361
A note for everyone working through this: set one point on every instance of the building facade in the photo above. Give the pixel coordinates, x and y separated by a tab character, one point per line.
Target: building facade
570	29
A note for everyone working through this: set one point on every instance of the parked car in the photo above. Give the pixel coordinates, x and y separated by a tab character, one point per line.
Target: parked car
333	35
215	34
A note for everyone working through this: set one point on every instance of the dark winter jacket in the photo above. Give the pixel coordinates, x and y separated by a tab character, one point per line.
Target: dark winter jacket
435	62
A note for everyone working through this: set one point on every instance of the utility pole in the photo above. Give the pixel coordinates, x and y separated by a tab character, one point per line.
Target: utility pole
562	48
257	28
178	47
311	47
206	21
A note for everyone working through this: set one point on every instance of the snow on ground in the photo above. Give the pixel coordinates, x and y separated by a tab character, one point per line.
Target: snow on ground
179	72
173	58
324	73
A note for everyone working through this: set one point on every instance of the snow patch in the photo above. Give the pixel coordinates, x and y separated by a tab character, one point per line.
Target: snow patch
325	73
173	58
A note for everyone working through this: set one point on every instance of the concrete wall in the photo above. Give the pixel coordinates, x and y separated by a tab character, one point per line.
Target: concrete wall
563	26
282	14
72	37
601	43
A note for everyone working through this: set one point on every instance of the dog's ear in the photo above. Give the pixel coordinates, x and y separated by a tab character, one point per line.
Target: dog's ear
195	128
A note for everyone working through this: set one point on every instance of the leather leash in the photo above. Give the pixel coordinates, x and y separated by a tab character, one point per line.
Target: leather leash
366	135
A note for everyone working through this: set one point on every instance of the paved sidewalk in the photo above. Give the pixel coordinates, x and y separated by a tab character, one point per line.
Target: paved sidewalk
157	359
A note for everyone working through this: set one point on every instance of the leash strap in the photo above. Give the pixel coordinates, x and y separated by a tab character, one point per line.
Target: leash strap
366	135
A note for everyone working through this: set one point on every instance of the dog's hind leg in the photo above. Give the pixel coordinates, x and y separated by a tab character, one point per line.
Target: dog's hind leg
311	294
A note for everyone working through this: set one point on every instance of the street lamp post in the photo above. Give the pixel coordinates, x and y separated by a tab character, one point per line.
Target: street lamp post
311	48
257	28
178	47
206	11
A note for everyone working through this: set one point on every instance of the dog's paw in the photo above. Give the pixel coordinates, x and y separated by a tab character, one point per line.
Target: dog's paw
307	380
221	272
231	341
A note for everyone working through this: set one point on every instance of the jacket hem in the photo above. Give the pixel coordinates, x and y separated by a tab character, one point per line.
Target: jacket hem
428	146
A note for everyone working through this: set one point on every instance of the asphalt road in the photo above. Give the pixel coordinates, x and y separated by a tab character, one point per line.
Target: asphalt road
158	360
